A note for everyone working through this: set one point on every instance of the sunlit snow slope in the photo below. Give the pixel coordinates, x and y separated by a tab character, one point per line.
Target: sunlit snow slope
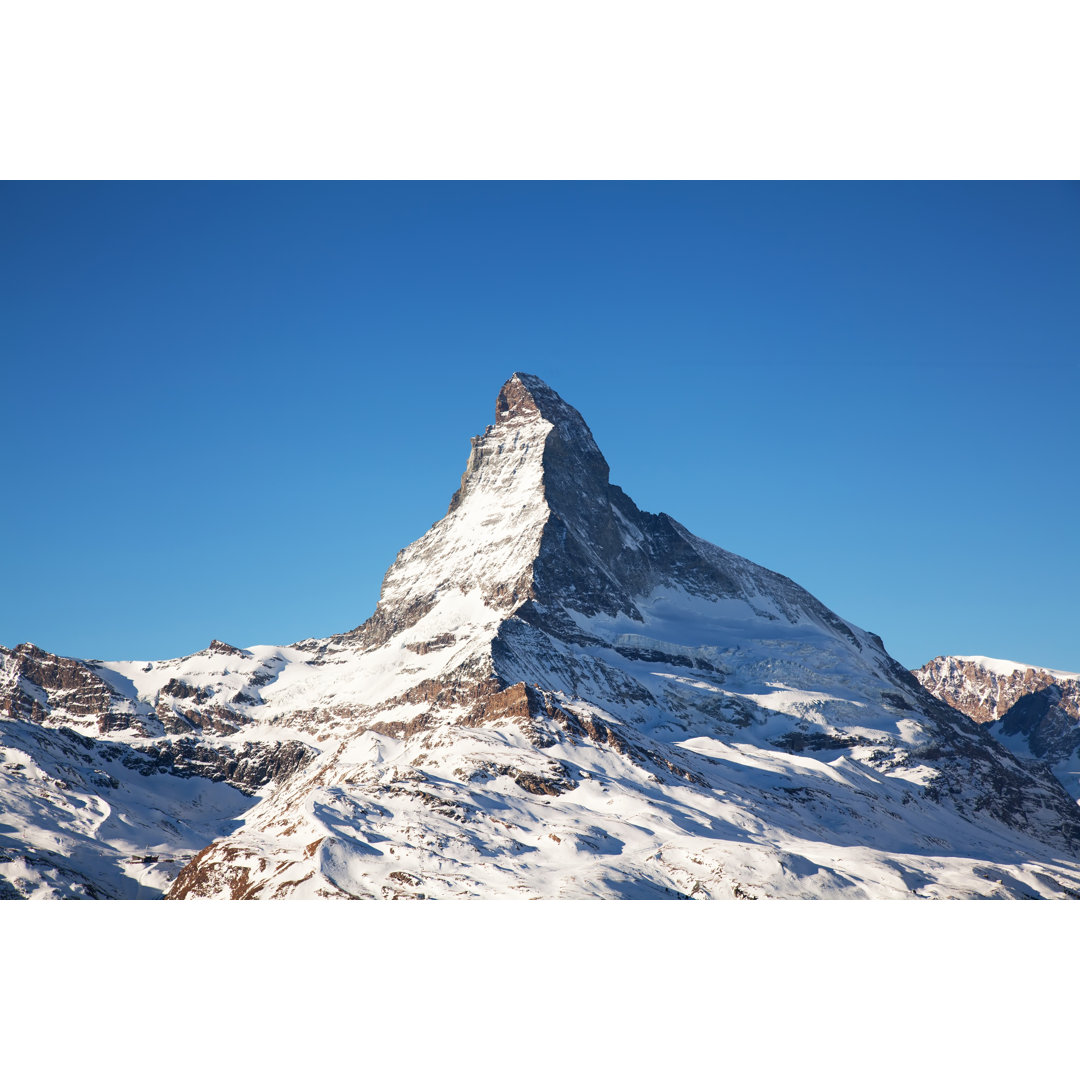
558	695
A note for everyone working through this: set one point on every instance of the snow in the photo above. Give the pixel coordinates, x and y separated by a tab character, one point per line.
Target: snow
75	824
1011	667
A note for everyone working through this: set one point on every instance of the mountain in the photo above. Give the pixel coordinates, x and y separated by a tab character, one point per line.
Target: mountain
557	695
1034	711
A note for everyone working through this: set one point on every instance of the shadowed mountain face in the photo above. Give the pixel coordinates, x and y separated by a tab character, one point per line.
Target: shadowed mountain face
1033	711
558	694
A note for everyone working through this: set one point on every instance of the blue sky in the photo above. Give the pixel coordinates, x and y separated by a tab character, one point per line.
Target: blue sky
227	406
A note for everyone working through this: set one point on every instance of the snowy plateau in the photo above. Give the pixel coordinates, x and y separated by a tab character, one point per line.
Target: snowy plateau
558	695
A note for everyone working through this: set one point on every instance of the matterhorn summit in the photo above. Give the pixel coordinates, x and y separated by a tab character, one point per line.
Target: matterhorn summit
557	695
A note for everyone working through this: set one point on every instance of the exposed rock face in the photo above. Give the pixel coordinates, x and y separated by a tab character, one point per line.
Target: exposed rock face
1034	711
246	766
559	694
34	683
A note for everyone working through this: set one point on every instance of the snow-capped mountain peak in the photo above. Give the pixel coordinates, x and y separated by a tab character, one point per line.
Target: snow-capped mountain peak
558	694
1034	711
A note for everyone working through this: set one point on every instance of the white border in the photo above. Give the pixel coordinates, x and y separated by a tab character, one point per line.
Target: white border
499	89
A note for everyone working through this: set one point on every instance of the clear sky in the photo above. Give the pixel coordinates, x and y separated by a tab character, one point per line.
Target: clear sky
225	407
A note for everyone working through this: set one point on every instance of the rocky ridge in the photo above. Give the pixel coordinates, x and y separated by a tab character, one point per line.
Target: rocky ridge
1033	711
558	694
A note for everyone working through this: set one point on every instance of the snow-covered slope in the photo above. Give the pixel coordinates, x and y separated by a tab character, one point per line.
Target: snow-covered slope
1034	711
557	695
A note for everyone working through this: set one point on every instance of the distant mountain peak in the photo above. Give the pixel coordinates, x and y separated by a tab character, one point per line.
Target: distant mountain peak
1034	711
223	648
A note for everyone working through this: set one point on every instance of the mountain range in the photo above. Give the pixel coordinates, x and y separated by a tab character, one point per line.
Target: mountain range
557	695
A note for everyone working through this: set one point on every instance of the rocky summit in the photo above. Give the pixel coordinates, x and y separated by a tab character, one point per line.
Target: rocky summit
557	695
